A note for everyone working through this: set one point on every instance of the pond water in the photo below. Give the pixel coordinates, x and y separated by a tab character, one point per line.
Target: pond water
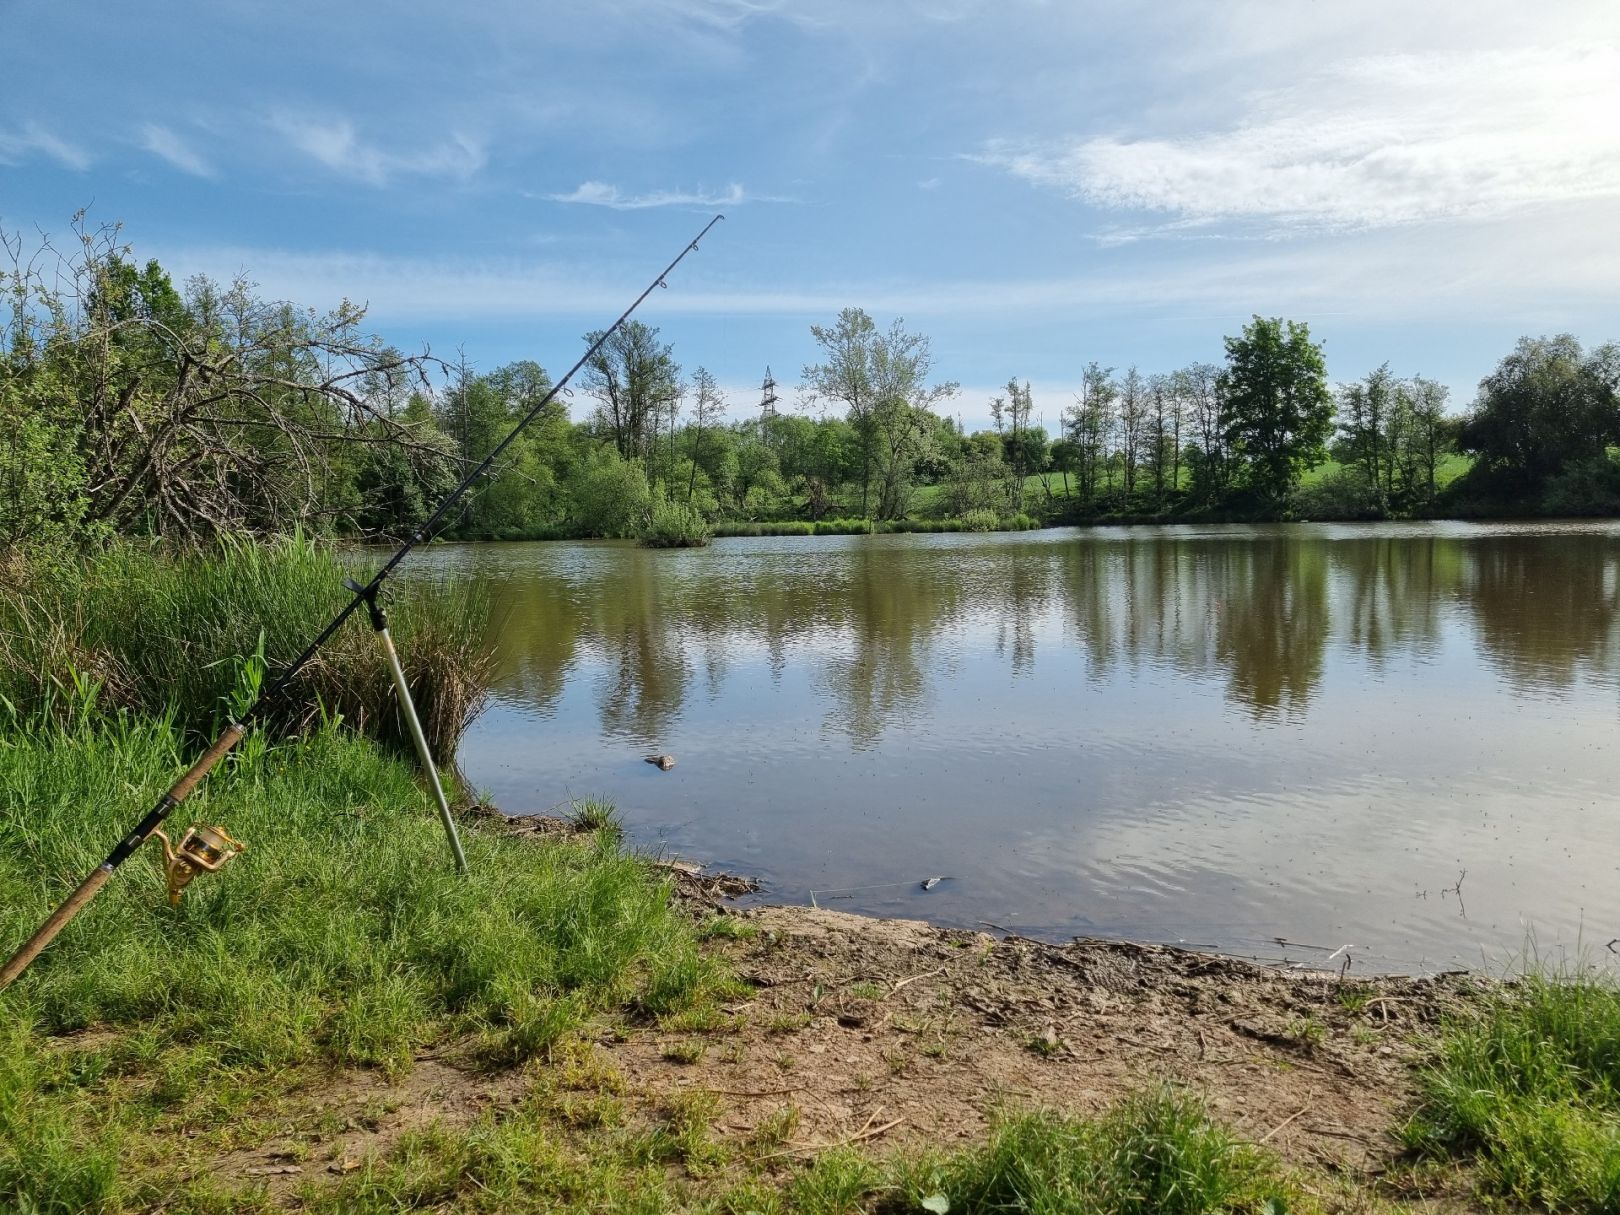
1270	740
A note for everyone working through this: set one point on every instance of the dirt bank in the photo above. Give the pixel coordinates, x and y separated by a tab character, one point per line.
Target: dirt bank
889	1033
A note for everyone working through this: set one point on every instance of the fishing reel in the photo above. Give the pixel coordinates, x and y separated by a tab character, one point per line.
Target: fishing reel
202	849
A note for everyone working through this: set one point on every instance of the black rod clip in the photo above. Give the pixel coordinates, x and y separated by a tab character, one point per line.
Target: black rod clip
379	618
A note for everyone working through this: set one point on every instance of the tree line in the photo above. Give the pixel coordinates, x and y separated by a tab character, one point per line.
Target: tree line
131	406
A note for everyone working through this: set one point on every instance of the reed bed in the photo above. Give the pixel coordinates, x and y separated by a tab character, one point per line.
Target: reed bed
193	636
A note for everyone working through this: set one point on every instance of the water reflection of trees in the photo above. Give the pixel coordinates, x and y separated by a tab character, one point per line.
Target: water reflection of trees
885	625
1544	607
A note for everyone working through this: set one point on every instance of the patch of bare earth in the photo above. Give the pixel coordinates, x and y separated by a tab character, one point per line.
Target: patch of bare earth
899	1032
894	1034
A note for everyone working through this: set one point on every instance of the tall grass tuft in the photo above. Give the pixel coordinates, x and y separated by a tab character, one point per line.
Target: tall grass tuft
1153	1154
1530	1086
197	633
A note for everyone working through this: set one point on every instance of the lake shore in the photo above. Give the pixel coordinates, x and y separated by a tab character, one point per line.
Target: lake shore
897	1036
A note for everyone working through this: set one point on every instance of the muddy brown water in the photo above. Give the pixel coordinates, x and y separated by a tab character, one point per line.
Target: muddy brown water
1399	738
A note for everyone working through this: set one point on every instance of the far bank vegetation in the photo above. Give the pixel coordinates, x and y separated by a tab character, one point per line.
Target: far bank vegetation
133	406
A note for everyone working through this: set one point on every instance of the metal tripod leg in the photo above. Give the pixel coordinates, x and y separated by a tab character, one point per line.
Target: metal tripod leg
407	708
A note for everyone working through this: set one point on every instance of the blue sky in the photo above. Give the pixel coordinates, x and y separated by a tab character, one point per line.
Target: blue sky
1034	185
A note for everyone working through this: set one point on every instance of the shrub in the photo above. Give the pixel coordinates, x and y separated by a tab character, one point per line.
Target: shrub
610	495
980	521
1342	494
674	525
1590	486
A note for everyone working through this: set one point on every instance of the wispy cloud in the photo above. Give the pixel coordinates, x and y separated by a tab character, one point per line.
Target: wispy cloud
163	142
600	194
335	144
1372	142
1456	271
20	143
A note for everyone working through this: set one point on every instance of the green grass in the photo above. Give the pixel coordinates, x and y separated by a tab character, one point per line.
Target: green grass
864	527
341	937
1156	1153
1529	1087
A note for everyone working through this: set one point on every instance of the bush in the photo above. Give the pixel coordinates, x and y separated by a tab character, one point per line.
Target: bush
674	525
194	635
1590	486
1020	523
1343	494
610	495
980	521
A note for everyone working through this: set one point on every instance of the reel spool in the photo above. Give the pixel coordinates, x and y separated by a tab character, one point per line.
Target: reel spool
202	849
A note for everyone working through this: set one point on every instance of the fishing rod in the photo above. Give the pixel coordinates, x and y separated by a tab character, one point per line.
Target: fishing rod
205	849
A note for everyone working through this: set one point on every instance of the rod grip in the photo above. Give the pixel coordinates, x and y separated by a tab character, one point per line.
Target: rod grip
47	931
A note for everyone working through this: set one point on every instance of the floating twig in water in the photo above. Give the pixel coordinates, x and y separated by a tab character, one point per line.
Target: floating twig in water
1462	909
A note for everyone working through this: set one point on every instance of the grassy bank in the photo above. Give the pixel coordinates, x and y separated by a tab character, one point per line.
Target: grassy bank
342	937
148	1046
878	527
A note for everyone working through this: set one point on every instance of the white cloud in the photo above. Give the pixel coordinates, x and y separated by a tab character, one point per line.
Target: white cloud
929	183
1398	274
161	141
17	145
1370	142
335	144
600	194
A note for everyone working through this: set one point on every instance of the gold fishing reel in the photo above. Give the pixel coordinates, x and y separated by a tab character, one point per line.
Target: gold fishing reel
202	849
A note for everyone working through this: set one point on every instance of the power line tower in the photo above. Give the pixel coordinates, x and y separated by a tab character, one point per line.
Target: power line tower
768	397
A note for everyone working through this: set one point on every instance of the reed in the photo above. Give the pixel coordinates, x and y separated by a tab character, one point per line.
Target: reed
193	635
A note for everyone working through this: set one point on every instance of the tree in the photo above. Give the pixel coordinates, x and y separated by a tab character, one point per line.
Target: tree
1011	416
1546	404
126	406
1162	433
881	378
1432	433
1277	412
1133	424
636	383
1369	419
1089	422
1199	386
1065	458
707	405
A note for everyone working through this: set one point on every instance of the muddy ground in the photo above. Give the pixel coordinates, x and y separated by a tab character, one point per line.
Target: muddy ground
890	1033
